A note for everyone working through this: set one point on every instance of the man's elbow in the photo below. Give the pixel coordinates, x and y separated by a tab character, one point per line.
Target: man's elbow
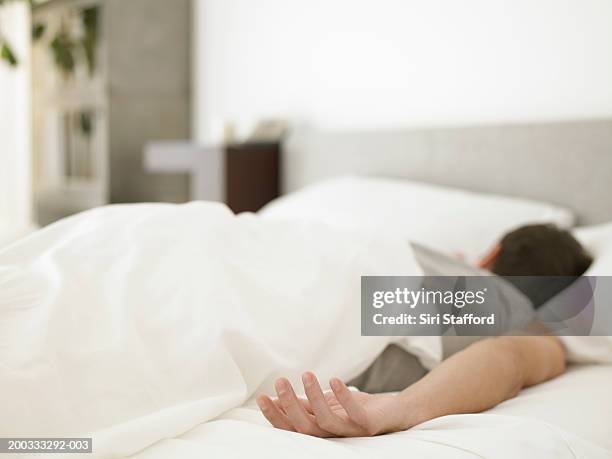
558	362
510	352
535	359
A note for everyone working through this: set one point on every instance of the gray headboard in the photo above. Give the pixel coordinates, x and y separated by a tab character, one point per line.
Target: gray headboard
567	163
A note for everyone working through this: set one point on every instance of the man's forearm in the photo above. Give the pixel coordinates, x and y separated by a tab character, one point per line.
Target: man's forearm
481	376
473	380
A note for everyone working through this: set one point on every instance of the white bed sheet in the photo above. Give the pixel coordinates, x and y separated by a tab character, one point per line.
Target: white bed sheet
578	403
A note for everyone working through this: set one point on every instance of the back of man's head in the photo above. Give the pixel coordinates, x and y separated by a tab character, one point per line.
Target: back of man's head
540	250
528	253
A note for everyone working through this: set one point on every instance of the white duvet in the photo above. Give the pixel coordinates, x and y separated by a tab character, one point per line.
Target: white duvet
137	324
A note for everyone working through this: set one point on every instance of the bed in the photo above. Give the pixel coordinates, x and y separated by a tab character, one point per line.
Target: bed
154	377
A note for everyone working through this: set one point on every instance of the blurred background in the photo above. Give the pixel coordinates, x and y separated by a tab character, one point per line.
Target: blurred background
112	101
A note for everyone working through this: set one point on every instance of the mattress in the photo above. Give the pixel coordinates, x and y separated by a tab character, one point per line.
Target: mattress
577	405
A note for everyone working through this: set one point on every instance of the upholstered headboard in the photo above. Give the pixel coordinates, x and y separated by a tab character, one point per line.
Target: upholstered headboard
567	163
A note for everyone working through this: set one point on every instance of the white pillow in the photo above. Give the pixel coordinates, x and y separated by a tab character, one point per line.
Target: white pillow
450	220
597	239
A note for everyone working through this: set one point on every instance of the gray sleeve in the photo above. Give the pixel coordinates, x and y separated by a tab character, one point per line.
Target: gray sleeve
395	369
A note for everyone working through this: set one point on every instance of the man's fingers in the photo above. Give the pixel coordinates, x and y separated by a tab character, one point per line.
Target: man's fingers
301	420
324	416
305	403
271	412
353	408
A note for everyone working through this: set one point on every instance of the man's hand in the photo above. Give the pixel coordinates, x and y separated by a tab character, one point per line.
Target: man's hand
340	413
473	380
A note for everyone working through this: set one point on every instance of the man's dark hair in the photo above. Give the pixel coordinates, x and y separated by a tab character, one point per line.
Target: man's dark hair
541	250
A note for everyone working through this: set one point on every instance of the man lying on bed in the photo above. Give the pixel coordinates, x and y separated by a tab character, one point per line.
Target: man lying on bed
472	378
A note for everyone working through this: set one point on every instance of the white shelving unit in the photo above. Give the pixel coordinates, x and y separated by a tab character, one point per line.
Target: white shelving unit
128	84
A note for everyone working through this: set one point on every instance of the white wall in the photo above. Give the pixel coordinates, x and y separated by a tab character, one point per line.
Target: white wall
15	192
344	63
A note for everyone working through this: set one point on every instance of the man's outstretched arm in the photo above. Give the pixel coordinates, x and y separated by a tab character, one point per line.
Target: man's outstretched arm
484	375
475	379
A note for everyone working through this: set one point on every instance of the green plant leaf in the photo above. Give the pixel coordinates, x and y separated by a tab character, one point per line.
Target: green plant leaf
38	30
7	55
89	18
85	123
61	47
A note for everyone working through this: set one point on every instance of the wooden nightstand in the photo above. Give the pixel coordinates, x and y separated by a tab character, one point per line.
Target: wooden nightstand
243	175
